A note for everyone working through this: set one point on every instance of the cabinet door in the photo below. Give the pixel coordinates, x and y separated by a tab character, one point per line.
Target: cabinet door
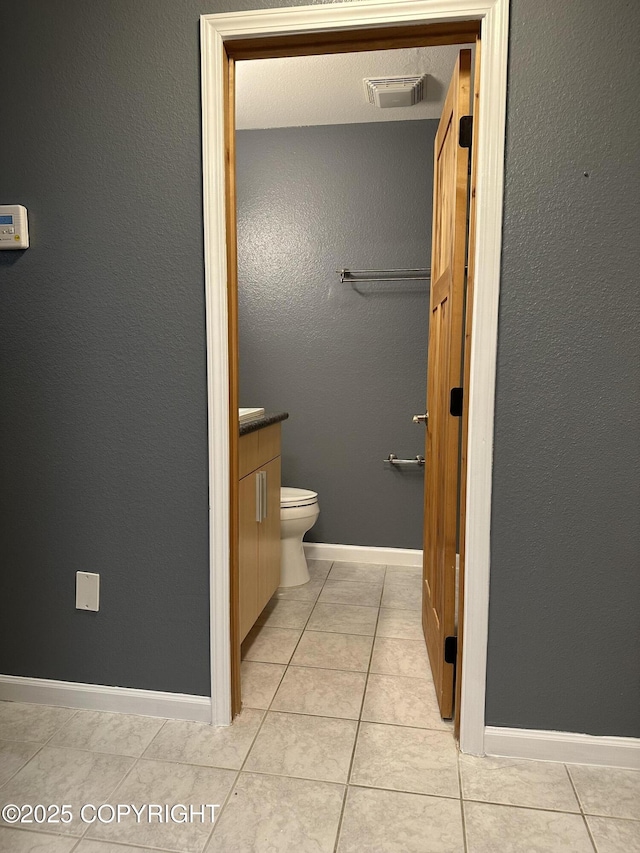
248	554
269	535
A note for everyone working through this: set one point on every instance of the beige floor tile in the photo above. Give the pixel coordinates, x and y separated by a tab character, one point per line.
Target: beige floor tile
333	651
259	683
66	776
116	734
281	613
607	791
401	657
508	829
19	841
305	592
34	723
320	692
211	746
361	572
400	624
402	701
403	594
515	782
276	814
403	571
406	578
319	569
307	747
613	835
343	619
270	645
13	756
164	782
393	822
346	592
405	759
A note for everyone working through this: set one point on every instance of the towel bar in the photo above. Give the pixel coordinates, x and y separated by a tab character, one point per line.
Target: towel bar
392	459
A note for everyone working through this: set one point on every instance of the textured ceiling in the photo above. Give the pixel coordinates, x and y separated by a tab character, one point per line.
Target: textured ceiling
307	90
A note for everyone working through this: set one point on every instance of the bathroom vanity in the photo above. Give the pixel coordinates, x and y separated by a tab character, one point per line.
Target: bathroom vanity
259	515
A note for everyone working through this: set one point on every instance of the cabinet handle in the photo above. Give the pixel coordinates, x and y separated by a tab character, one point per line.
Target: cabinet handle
259	496
264	494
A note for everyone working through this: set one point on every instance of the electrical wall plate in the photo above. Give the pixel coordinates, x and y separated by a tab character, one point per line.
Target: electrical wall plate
87	591
14	227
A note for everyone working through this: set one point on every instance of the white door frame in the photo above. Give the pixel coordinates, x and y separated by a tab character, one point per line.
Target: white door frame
489	134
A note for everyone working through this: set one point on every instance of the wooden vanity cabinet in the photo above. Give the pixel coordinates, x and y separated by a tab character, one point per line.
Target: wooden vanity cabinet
259	522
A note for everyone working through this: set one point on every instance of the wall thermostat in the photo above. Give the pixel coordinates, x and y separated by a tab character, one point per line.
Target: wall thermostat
14	228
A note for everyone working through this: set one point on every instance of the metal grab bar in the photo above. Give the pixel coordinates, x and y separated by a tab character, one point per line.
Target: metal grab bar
392	459
352	276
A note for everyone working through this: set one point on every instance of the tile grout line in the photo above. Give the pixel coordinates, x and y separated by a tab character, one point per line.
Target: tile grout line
304	627
350	783
127	846
520	806
352	719
374	637
359	723
224	803
117	786
79	840
465	843
446	731
363	785
156	735
286	665
264	717
109	796
579	801
22	766
334	669
40	746
76	845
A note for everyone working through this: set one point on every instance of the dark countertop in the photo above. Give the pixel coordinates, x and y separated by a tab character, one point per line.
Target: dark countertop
266	420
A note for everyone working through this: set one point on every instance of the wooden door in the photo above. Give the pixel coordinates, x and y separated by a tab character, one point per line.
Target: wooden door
444	372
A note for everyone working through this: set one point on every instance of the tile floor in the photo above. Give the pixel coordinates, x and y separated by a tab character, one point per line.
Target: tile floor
339	747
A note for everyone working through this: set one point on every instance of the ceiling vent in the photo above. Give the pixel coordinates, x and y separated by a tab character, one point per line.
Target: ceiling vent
395	91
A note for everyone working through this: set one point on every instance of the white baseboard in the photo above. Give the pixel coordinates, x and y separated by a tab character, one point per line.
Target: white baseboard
565	747
98	697
363	554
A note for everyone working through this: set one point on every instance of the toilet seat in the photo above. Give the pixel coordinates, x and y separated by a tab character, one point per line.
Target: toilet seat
297	497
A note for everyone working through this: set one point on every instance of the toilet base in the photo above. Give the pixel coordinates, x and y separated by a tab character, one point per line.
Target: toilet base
293	563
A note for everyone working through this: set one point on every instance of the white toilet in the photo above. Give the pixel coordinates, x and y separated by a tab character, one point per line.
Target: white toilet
298	513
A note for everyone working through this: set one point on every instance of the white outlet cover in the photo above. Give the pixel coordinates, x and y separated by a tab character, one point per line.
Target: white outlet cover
87	591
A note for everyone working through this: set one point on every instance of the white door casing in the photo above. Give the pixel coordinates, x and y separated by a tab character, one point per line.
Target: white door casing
489	136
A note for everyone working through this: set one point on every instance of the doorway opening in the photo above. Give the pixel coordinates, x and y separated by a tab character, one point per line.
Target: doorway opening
326	181
333	29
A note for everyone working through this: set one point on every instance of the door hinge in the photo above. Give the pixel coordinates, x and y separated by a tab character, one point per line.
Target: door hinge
455	402
466	131
450	649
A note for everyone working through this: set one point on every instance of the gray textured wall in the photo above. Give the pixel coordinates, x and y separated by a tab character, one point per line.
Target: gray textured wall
102	371
349	365
564	641
102	357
